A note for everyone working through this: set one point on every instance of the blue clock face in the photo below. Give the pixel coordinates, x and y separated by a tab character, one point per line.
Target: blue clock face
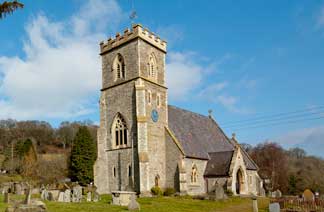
154	115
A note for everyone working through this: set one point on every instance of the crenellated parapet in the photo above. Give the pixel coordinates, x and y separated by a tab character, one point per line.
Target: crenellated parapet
128	35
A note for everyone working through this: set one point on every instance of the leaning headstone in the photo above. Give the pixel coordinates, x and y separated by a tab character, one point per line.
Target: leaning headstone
61	197
308	195
274	207
133	204
89	196
6	197
219	192
67	195
96	196
28	197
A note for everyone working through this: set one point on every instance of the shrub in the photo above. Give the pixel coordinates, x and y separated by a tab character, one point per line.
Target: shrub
156	191
229	192
169	192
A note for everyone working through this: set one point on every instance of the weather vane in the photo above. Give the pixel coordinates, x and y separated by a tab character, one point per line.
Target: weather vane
133	14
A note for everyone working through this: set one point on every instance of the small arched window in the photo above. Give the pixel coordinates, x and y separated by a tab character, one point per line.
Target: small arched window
129	171
114	172
152	68
119	132
158	99
119	67
149	97
194	174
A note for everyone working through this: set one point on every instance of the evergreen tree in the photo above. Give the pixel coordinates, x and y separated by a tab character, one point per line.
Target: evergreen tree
83	156
292	185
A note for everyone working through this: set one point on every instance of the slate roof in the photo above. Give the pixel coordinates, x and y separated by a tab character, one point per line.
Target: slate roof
197	134
219	164
201	137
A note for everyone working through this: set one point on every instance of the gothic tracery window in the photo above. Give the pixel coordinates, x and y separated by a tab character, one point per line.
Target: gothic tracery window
194	174
120	132
152	69
119	67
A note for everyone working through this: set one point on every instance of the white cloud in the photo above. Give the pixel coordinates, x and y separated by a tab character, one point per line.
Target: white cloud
183	75
170	33
61	68
310	139
320	19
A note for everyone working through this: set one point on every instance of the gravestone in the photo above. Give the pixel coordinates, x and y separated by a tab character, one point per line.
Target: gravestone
274	207
61	197
6	198
278	193
133	204
18	189
255	204
308	195
219	192
262	192
67	195
96	196
77	193
45	194
89	196
50	196
28	197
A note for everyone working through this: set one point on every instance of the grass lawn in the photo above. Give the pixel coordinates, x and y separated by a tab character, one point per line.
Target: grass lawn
169	204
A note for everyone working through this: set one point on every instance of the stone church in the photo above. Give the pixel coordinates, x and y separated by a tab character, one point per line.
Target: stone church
144	142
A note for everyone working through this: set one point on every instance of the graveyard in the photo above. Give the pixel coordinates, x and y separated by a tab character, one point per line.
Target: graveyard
110	106
159	204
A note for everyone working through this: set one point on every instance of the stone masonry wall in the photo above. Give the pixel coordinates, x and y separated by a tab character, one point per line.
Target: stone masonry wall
173	156
130	55
199	187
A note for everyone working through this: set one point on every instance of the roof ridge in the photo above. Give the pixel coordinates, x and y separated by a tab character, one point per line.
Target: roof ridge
186	110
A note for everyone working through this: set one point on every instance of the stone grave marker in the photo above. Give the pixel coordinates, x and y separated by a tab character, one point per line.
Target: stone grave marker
274	207
18	189
308	195
45	194
219	191
61	197
28	197
255	204
67	195
262	192
77	193
96	196
278	193
6	197
89	196
50	196
133	204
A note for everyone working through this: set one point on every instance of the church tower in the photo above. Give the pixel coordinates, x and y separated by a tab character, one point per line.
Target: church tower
133	113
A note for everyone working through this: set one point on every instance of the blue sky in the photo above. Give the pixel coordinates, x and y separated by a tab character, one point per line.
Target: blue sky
241	59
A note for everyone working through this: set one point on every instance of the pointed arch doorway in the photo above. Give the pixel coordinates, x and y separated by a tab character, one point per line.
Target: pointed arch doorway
239	182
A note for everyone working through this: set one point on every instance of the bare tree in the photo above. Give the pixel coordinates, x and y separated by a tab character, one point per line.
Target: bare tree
8	7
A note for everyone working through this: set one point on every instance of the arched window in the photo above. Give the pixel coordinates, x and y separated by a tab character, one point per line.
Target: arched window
119	132
119	67
194	174
152	68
